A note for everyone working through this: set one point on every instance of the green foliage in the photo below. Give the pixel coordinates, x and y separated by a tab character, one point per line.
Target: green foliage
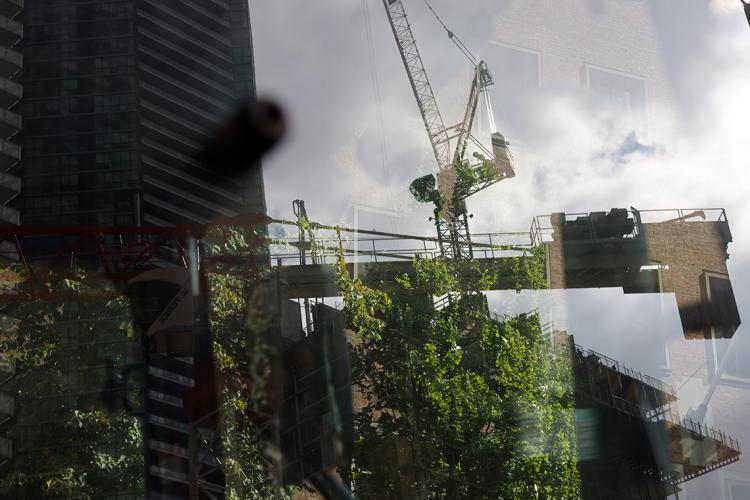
240	318
458	404
468	176
363	306
65	445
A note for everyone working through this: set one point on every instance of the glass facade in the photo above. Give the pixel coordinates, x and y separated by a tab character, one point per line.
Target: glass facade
119	99
499	297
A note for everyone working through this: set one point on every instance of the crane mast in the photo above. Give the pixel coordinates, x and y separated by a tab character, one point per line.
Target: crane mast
456	178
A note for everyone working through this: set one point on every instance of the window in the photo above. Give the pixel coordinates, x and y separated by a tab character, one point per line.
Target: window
110	103
114	140
720	311
734	486
731	353
722	320
515	69
517	74
739	491
625	93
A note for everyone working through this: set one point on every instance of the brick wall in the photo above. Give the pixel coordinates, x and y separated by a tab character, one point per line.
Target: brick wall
613	34
690	249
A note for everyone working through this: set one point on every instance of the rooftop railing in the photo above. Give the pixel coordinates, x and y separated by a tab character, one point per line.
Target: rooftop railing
541	230
362	246
703	430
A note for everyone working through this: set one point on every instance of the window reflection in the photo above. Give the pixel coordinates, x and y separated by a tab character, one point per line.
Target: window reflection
172	325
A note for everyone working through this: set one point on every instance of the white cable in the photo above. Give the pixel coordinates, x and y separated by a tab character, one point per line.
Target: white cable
490	114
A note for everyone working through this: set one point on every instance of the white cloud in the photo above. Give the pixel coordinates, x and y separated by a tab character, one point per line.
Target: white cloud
724	6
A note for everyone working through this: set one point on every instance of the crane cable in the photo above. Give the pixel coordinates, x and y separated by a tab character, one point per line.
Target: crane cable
378	104
454	38
466	52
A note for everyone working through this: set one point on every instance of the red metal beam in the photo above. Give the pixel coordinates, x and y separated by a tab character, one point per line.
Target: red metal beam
119	261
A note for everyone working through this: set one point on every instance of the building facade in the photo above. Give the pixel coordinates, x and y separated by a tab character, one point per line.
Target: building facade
120	98
105	107
11	63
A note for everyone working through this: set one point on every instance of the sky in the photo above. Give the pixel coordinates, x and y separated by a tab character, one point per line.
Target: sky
356	136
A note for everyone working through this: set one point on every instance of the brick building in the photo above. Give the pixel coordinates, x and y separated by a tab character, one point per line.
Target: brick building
684	253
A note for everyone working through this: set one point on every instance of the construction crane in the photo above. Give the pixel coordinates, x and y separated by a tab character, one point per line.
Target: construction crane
457	177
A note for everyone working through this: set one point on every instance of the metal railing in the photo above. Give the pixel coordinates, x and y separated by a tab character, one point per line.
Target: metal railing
702	430
541	230
629	372
360	246
664	412
683	215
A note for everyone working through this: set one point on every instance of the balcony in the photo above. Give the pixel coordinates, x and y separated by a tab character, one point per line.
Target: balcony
9	216
10	154
175	213
10	31
10	186
10	92
9	8
10	62
8	253
187	198
10	123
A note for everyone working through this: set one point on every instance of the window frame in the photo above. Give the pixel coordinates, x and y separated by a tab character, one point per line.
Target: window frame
525	50
724	378
587	67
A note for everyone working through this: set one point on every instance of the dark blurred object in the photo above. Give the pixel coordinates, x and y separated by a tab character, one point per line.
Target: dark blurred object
316	414
747	10
252	132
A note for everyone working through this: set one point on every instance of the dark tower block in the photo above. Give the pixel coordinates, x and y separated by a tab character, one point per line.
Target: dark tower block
122	96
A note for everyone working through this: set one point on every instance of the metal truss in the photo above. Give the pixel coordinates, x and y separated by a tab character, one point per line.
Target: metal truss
420	84
453	233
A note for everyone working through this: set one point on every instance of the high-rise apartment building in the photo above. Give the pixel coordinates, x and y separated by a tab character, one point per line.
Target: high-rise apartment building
105	106
119	98
11	62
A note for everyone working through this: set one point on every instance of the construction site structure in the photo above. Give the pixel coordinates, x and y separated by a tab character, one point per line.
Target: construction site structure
631	442
457	177
681	251
644	448
620	245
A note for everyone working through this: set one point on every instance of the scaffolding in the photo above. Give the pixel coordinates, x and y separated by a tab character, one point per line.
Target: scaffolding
639	402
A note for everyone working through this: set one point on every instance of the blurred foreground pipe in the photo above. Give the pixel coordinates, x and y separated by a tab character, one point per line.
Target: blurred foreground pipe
253	130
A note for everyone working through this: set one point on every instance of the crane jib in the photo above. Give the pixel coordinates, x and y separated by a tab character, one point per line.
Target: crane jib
420	84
